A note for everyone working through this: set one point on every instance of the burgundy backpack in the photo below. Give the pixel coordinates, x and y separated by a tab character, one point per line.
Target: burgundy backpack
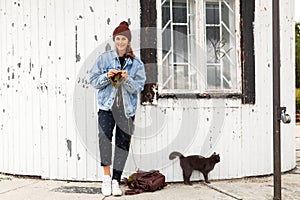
145	181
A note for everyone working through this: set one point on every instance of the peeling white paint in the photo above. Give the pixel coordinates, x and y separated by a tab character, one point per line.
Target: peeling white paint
48	122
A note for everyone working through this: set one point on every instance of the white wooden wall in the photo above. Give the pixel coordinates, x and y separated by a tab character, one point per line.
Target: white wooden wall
48	121
44	45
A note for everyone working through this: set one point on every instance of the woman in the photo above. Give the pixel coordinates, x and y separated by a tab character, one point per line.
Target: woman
119	76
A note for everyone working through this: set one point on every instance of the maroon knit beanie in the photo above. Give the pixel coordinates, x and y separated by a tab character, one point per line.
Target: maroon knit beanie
122	29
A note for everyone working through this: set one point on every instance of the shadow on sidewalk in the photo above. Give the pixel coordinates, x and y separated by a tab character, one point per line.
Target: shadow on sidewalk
77	189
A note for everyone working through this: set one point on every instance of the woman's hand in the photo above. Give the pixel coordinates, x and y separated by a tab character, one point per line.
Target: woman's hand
111	73
124	74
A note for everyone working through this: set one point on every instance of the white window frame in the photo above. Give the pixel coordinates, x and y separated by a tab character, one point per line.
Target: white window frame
200	39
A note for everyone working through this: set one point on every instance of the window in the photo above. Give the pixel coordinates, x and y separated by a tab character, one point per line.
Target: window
197	46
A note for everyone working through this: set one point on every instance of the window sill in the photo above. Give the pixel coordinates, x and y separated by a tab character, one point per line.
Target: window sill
200	95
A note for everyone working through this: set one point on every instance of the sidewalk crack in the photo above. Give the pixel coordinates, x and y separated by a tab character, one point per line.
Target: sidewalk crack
223	192
17	188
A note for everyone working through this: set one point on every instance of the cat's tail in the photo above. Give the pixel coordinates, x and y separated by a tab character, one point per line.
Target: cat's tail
175	154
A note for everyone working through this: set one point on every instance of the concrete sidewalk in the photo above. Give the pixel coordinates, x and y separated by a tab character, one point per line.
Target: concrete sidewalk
18	188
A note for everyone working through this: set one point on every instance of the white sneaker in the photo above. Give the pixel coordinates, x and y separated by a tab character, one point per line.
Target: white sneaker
116	191
106	185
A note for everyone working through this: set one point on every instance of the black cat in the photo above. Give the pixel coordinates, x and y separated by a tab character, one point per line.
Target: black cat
195	162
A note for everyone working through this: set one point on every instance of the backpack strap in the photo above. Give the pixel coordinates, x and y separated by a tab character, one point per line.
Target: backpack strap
133	191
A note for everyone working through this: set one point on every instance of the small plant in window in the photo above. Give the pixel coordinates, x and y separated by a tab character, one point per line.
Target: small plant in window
219	50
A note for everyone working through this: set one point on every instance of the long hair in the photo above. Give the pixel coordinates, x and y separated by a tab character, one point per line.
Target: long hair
129	52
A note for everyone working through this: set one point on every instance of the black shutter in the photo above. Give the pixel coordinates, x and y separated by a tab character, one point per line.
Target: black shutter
247	46
148	45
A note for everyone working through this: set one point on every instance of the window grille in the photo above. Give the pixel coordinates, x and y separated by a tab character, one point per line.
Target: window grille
197	49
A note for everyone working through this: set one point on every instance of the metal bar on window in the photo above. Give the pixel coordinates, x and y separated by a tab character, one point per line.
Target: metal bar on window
181	63
230	60
212	25
168	79
188	44
205	43
165	27
228	6
227	29
214	64
221	37
166	56
226	80
163	2
172	45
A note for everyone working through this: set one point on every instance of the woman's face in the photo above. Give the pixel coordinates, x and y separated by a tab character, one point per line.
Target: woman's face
121	43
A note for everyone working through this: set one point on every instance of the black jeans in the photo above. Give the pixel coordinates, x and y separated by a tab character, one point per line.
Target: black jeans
124	129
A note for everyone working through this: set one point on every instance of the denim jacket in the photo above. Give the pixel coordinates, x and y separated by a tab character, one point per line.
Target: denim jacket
130	87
